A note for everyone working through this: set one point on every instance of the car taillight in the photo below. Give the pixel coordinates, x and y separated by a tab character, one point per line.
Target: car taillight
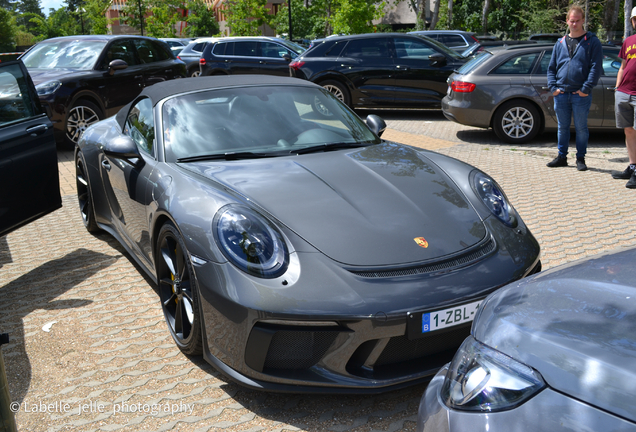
201	61
179	57
462	87
296	64
474	38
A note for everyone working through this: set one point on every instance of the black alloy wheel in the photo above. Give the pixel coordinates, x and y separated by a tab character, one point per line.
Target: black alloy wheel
516	122
178	291
84	196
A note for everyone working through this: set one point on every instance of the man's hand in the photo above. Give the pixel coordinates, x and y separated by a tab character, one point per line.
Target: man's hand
580	93
557	92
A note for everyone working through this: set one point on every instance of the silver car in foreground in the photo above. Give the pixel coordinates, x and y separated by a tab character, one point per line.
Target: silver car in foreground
507	90
553	352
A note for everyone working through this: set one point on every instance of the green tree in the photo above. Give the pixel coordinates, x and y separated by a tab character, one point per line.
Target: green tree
134	13
307	22
96	16
355	16
165	15
51	26
8	31
244	17
201	20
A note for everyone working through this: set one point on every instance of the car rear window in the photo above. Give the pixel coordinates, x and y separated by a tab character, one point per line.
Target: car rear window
517	65
365	48
472	64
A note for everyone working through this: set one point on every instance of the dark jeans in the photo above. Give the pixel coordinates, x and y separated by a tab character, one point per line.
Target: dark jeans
567	106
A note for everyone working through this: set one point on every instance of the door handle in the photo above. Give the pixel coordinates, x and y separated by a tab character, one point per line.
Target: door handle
545	88
106	165
610	88
37	130
404	68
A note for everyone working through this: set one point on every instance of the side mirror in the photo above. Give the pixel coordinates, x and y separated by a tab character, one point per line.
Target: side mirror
123	147
376	124
616	64
287	57
116	65
437	59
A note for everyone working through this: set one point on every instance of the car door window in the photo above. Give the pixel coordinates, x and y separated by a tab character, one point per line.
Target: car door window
368	48
412	49
271	49
140	125
148	52
608	59
517	65
219	49
544	63
199	47
15	102
121	50
246	48
453	40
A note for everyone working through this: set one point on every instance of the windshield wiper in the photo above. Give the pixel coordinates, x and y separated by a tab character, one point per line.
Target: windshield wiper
226	156
327	147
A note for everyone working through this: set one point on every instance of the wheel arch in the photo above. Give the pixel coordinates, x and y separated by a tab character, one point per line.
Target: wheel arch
89	96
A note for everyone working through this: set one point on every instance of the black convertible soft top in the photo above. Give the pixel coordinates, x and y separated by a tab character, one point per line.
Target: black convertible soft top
165	89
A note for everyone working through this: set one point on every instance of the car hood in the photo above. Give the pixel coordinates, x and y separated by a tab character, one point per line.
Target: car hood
362	207
43	75
576	325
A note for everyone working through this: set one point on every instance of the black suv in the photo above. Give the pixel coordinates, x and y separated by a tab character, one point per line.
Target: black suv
382	70
249	55
83	79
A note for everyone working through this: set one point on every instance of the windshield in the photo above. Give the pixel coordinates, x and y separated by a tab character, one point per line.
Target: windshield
270	121
67	53
294	47
440	47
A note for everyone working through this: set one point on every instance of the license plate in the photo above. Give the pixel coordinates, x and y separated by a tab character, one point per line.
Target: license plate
424	323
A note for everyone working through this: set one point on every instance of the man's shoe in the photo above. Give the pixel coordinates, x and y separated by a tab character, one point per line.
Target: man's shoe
580	164
631	184
558	162
623	175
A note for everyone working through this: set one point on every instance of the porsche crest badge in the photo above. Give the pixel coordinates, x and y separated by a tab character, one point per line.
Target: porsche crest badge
421	241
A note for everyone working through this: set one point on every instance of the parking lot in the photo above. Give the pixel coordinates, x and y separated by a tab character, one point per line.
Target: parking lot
90	350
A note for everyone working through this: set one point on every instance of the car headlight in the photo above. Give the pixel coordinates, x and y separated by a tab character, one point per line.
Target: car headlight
482	379
250	241
48	88
494	198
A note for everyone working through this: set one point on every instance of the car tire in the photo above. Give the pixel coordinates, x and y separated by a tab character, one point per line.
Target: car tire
194	73
84	195
178	290
516	122
338	89
83	114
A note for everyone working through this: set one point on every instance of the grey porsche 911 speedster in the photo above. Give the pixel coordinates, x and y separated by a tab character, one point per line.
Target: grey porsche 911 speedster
291	246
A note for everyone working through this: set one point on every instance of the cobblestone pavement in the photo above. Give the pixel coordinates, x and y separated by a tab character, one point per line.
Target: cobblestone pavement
87	330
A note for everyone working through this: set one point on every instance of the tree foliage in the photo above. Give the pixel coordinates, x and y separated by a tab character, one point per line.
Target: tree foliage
201	20
244	17
324	17
7	31
134	13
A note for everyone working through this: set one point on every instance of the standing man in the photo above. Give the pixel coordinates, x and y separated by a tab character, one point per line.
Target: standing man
624	102
575	67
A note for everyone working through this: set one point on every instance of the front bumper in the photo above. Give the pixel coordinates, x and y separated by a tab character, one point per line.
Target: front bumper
337	329
547	411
